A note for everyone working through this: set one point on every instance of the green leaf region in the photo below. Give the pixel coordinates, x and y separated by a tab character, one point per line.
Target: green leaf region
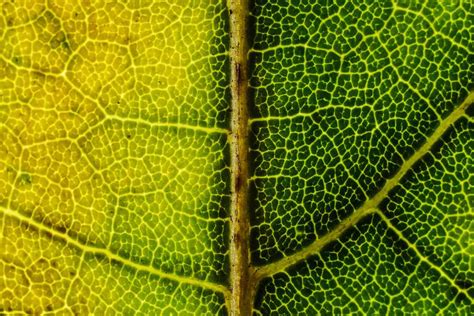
122	125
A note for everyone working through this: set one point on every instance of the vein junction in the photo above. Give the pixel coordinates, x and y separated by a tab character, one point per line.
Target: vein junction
371	205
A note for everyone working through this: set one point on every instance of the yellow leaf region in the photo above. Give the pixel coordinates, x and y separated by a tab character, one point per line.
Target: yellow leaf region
113	129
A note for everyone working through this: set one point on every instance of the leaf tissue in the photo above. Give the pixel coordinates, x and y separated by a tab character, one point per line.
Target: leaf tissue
236	157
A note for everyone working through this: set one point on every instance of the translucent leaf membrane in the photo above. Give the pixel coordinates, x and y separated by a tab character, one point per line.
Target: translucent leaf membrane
113	128
342	93
115	161
370	270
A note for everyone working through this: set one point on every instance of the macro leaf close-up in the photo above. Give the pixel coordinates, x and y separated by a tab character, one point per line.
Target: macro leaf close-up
239	157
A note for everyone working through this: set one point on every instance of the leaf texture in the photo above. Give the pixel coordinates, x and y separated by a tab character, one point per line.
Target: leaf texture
362	146
113	184
124	128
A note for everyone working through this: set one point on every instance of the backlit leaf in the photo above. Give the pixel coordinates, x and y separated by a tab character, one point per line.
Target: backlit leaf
224	157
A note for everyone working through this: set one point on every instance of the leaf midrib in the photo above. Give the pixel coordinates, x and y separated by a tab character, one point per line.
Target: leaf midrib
242	287
243	275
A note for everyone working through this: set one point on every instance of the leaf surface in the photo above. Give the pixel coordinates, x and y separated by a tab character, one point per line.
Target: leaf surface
113	172
212	157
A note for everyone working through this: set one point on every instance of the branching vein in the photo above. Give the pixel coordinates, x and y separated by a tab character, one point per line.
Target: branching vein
370	205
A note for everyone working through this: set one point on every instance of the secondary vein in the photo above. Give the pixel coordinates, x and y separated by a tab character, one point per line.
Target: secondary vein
370	205
112	256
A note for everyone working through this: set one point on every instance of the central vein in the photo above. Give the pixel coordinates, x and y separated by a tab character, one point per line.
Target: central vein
240	301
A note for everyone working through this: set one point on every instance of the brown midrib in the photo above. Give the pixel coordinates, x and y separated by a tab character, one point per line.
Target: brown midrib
241	299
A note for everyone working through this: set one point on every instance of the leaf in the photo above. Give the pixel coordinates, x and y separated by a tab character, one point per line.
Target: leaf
179	158
112	184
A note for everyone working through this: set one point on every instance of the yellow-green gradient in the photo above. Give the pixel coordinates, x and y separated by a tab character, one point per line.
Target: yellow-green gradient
114	173
151	164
